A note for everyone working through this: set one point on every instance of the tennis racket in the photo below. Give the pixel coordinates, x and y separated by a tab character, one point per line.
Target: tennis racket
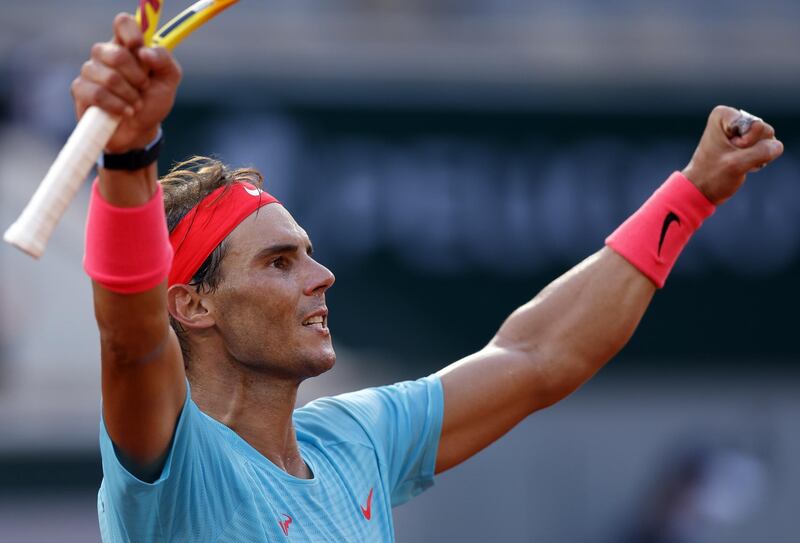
31	231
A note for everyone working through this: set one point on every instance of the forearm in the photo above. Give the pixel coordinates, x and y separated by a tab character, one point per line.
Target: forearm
132	327
142	371
128	255
576	324
131	324
123	188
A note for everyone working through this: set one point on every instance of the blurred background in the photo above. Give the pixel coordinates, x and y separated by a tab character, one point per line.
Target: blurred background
449	159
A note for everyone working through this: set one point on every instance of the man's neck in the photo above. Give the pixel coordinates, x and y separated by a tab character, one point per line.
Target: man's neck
258	407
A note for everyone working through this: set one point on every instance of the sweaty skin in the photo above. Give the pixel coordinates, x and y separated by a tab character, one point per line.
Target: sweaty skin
251	340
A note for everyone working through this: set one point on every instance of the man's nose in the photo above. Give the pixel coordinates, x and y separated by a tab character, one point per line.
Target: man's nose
321	280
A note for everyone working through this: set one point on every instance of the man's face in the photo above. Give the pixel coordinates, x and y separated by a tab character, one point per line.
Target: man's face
270	304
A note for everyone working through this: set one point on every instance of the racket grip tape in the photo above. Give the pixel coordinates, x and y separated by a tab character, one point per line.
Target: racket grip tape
31	231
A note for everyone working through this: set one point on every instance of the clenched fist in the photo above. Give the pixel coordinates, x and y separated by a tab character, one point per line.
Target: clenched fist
724	157
129	80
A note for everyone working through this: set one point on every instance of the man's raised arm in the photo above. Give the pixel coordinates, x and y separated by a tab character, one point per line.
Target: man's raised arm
127	253
553	344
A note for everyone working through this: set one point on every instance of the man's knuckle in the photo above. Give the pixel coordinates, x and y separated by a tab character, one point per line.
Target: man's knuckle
120	19
97	94
724	114
112	78
98	49
117	57
719	110
74	87
137	76
765	150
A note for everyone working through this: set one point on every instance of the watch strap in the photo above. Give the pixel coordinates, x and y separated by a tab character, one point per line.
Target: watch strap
135	159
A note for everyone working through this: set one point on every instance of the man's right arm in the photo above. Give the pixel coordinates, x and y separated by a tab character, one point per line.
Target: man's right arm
143	378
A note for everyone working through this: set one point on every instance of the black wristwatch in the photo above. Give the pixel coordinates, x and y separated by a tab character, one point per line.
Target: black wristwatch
135	159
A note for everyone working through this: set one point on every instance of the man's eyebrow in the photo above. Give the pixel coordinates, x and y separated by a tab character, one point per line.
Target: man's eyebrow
281	248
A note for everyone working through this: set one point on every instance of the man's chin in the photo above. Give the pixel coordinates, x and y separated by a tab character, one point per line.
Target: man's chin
322	363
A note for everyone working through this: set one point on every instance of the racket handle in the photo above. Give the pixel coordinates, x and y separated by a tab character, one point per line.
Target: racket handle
31	231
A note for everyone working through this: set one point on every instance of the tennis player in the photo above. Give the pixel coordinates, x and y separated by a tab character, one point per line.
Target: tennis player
210	320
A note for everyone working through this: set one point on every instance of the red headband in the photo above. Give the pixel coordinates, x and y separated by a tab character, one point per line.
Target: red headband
208	223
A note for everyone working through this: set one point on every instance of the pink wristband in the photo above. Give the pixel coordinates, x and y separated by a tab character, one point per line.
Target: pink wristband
653	237
127	248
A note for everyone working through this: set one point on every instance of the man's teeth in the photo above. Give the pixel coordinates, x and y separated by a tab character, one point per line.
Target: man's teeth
313	320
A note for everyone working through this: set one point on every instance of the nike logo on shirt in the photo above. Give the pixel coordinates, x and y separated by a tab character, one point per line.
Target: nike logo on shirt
367	511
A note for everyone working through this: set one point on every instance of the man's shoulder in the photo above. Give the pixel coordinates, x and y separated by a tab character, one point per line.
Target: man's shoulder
196	435
331	418
361	414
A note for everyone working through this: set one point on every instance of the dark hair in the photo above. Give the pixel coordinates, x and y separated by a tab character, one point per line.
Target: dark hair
185	186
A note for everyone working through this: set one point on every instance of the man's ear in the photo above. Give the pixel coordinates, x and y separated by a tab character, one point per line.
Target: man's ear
188	307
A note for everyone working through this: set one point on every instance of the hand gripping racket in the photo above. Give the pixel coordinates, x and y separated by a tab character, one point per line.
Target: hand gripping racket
31	231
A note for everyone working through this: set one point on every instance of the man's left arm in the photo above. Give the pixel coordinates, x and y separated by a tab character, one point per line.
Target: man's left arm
553	344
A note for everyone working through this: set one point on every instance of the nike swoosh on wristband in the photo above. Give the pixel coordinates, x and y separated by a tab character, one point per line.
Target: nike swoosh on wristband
367	511
669	219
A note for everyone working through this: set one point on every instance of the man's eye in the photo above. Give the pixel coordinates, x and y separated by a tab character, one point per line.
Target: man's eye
279	262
